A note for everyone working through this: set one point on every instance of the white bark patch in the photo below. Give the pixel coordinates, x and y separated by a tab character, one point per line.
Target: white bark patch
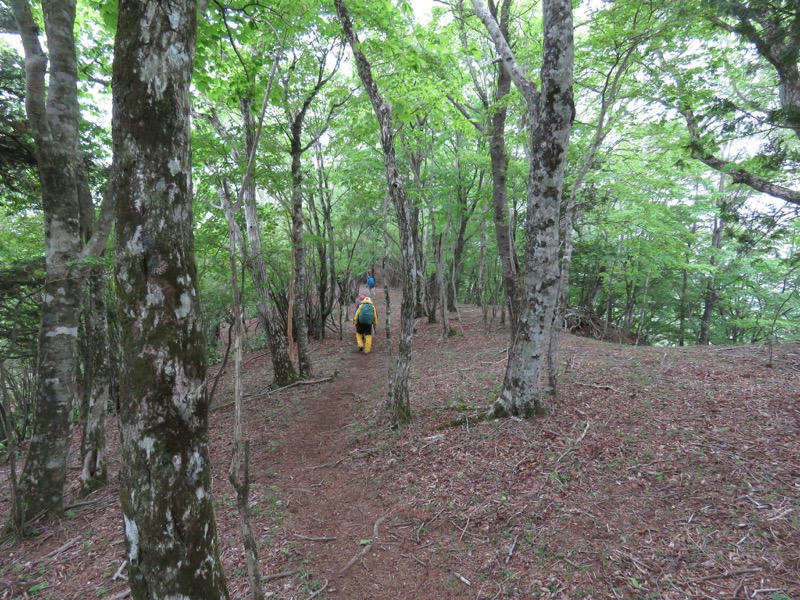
132	534
147	444
154	295
174	166
134	244
56	331
200	493
174	19
185	309
170	524
195	467
47	299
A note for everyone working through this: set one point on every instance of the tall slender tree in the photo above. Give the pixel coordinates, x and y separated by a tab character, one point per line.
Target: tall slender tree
53	113
398	393
165	475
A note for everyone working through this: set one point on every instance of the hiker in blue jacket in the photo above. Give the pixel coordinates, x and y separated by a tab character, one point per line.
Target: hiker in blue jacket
365	319
370	283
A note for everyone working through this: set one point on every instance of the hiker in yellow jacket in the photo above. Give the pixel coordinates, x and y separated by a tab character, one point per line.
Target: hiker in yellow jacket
365	320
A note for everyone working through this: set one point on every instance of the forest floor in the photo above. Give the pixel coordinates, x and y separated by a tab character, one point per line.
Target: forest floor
658	473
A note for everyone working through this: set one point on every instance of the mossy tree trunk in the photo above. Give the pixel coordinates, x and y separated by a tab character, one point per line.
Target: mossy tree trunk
549	118
165	476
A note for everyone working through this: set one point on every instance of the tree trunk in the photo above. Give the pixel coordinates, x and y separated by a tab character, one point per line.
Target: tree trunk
299	251
240	454
93	440
165	478
549	117
399	396
53	116
499	160
282	366
479	283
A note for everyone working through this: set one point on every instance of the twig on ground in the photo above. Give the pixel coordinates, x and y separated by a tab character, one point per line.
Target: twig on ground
599	387
583	435
268	392
511	550
330	464
463	531
98	501
118	574
733	573
462	578
366	548
66	546
314	539
319	591
416	537
412	557
280	575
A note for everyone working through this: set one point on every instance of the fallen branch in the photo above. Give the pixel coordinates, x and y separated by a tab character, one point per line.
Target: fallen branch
465	420
267	392
67	546
412	557
118	574
599	387
733	573
366	548
330	464
436	516
314	539
281	575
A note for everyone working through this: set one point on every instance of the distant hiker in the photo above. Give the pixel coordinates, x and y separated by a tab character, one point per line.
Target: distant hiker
365	319
370	283
359	300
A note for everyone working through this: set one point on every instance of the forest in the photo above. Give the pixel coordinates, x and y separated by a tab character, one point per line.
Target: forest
194	193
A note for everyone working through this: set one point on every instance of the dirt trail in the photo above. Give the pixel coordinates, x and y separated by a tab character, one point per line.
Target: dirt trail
351	536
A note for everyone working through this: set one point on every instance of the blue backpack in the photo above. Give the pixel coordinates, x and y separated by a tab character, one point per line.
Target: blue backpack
371	281
367	314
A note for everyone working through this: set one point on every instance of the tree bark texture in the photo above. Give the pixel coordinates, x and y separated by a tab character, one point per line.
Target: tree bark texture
165	476
52	110
549	117
401	408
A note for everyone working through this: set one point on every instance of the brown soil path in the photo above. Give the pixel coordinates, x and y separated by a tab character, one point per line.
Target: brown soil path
321	510
353	538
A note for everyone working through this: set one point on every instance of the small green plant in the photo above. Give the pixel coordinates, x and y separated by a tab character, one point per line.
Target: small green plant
35	589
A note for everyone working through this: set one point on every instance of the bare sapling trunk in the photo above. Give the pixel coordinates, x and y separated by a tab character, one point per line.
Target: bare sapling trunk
239	473
93	441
